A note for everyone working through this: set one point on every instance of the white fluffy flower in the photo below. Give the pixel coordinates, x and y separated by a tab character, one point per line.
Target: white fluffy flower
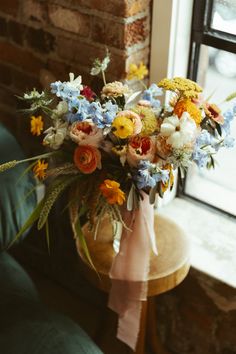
60	110
56	135
180	131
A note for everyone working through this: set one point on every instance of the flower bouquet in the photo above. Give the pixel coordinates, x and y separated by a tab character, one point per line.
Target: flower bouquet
115	151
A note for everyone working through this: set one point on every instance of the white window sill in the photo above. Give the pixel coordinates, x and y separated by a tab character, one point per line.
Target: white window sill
212	235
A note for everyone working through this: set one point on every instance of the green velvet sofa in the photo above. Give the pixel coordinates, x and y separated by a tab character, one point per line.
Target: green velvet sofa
26	325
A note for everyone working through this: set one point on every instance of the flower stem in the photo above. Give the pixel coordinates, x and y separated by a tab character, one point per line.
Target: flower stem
104	78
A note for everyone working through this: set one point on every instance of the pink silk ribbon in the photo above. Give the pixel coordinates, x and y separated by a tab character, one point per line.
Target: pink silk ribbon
130	269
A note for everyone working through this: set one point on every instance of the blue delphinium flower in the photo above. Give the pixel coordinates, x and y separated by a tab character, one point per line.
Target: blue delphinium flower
95	112
151	95
228	117
228	141
200	157
148	174
205	138
110	111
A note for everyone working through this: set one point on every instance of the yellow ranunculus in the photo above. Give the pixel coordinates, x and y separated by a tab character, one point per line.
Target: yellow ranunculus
123	127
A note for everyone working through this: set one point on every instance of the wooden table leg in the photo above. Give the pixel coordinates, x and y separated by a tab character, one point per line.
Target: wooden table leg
153	340
140	348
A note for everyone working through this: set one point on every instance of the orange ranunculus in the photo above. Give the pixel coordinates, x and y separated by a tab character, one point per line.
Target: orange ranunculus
112	192
87	158
186	105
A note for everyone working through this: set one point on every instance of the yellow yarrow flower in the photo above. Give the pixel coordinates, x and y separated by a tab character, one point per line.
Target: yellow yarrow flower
123	127
187	105
36	124
40	168
137	72
112	192
187	88
148	119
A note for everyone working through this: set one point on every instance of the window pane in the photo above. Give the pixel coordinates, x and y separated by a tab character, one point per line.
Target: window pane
224	16
217	74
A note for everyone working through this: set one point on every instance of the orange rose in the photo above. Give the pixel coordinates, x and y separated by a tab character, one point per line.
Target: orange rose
87	158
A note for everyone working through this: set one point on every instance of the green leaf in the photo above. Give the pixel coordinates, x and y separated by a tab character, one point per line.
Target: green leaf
230	97
29	222
152	194
83	244
47	235
218	128
51	196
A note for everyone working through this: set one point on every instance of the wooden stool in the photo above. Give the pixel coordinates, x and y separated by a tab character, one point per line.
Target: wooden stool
167	270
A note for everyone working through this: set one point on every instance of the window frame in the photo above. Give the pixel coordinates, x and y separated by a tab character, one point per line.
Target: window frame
203	34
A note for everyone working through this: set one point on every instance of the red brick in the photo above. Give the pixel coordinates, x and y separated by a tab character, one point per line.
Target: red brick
9	6
20	58
24	82
5	74
7	96
34	10
133	7
115	7
108	32
40	40
70	20
137	31
59	69
3	27
16	32
78	52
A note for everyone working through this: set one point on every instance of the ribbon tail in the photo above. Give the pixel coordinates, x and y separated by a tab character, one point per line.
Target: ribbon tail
130	269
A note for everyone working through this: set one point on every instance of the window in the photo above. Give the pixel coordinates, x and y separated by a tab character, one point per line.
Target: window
213	65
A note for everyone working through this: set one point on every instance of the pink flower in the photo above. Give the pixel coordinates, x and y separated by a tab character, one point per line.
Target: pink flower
141	148
87	158
86	133
134	117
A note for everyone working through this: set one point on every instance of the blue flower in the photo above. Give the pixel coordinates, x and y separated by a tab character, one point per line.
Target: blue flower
111	110
204	138
228	117
148	175
151	95
200	157
95	112
229	141
64	90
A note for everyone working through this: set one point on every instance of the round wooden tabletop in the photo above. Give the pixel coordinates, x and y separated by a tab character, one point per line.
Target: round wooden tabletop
167	269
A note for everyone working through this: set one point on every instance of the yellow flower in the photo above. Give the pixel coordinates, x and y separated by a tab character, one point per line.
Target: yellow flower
185	87
36	125
112	192
123	127
187	105
40	168
137	72
148	119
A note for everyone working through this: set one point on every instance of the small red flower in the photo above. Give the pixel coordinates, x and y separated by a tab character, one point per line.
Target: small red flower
88	93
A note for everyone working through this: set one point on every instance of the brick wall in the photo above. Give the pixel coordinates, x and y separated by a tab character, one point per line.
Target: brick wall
65	35
198	316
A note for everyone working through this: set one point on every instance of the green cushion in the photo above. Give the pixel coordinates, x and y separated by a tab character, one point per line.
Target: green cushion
14	206
32	329
28	327
16	285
